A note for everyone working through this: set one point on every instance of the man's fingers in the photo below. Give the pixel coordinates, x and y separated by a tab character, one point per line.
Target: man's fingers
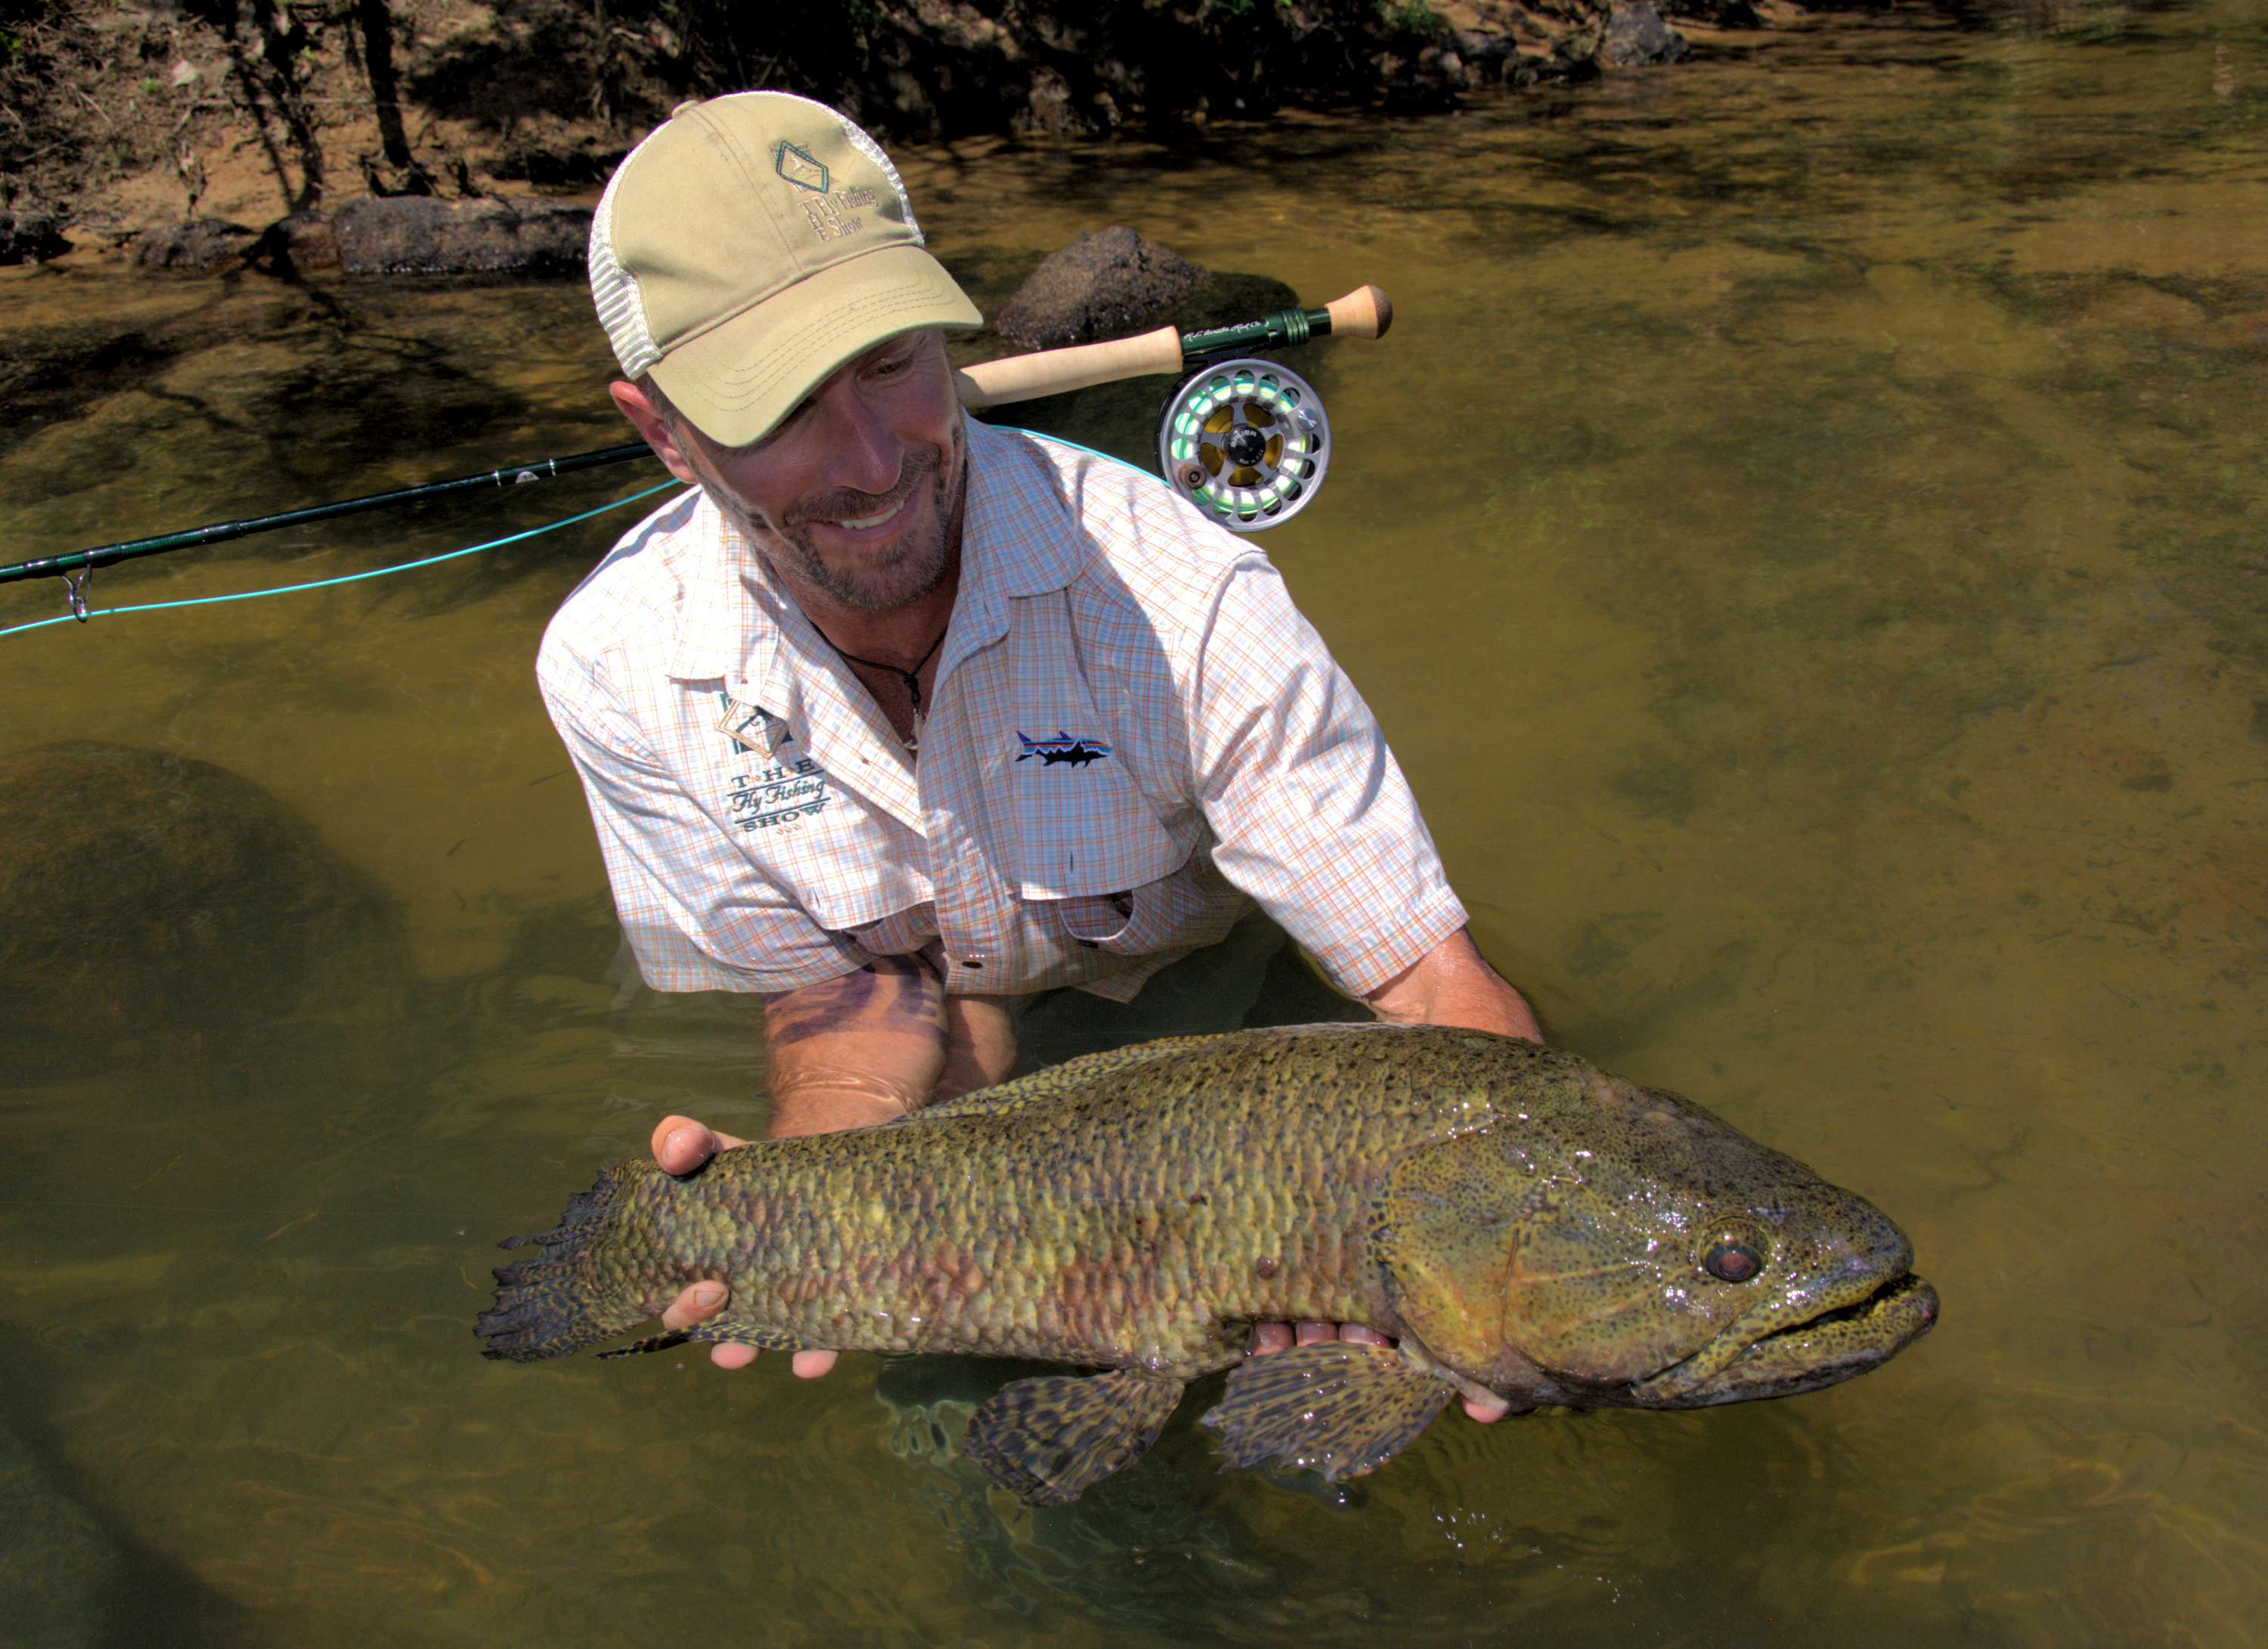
1357	1334
697	1304
732	1356
811	1364
1315	1333
1487	1413
1271	1336
681	1145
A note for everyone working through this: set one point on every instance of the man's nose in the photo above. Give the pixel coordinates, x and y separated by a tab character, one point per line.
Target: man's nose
863	453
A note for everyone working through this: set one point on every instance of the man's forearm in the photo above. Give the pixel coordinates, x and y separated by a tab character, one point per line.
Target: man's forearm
855	1051
1451	984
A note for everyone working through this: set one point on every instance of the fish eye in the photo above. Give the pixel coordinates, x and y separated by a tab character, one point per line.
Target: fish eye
1730	1261
1735	1253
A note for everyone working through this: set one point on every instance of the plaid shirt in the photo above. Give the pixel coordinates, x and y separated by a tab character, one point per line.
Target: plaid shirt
1132	729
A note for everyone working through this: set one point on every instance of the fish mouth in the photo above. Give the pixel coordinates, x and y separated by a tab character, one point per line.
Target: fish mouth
1787	1355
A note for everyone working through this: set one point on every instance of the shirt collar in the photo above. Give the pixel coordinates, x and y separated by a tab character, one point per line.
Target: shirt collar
731	623
1021	533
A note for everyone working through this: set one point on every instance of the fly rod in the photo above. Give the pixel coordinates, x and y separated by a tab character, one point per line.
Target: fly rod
1365	313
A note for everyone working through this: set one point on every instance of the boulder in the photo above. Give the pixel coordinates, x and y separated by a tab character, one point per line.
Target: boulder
415	234
298	245
143	891
1486	57
1635	36
1107	283
30	237
196	246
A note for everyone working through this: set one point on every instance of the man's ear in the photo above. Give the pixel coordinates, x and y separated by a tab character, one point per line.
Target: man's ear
654	429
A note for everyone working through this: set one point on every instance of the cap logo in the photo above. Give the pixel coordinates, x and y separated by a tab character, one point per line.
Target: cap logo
831	217
798	167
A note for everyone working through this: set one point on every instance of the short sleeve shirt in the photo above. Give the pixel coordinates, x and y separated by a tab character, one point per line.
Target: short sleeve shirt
1131	731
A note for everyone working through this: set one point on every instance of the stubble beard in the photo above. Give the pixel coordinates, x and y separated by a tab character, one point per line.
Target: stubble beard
915	565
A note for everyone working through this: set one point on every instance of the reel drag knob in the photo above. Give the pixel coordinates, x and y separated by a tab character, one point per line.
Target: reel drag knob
1246	442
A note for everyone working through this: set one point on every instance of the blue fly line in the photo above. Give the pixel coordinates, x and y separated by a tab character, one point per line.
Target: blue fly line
471	549
352	577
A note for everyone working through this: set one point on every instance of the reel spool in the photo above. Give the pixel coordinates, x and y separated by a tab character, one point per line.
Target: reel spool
1246	441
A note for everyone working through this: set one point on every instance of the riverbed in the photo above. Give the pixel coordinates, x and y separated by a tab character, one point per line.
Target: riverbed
1804	539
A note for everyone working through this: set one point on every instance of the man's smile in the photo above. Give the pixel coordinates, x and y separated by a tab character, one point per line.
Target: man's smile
867	523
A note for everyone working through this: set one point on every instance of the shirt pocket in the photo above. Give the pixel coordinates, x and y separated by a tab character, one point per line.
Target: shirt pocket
1092	848
1155	915
1087	833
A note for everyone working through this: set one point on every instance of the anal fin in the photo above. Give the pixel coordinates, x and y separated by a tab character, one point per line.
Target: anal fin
1338	1407
1049	1440
717	1331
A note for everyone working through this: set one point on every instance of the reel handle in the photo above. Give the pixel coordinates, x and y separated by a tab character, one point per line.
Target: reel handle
1365	313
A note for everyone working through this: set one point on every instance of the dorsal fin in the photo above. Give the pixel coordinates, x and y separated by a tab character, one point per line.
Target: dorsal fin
1056	1081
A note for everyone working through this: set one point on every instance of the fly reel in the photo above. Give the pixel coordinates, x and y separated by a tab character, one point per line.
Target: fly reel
1246	441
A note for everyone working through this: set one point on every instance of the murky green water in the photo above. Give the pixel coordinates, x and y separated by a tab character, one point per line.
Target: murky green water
1805	538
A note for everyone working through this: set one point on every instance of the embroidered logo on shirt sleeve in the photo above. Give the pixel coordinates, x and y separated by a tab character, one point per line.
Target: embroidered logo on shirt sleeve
1064	749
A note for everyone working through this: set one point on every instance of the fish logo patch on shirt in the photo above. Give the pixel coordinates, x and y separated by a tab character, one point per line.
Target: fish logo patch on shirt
1062	749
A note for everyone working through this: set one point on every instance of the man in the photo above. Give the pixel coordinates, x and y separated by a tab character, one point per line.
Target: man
897	718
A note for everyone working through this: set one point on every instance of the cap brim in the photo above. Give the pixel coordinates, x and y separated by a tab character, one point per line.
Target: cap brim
737	381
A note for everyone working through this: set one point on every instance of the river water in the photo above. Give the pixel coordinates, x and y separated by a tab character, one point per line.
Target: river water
1804	538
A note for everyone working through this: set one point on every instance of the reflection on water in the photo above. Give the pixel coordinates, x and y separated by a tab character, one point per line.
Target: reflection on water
1803	537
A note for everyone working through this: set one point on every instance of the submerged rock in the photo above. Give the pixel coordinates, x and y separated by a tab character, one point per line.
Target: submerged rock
58	1569
415	234
141	890
1106	285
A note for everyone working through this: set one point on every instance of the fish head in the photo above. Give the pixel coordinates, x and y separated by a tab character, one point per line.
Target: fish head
1667	1261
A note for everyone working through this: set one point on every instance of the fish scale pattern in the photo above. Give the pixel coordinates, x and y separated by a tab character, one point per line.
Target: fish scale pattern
1077	1217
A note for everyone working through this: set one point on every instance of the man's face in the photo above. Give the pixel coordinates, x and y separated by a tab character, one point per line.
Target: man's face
857	494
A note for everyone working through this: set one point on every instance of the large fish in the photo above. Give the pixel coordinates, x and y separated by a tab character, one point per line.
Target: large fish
1521	1223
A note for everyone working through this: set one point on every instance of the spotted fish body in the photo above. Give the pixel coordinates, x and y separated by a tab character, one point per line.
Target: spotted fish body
1520	1222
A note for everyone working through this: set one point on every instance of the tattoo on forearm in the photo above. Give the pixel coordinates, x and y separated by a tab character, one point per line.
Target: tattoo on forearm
889	993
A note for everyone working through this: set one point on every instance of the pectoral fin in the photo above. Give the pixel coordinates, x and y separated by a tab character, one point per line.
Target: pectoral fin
1337	1408
1047	1441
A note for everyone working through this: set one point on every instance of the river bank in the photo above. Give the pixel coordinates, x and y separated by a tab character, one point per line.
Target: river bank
177	134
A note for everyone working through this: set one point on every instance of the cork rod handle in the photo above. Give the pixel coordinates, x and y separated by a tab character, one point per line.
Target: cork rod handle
1364	312
1056	372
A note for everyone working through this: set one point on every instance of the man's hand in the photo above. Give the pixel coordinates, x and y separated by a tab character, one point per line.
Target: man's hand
680	1145
1281	1337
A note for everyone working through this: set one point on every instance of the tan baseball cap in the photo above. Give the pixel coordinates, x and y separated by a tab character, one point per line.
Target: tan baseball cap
750	245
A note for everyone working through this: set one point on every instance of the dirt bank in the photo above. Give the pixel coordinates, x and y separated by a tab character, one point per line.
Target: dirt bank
119	117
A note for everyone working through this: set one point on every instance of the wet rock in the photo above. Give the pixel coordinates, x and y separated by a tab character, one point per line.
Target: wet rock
1104	285
198	246
141	890
1635	36
1426	84
298	245
1487	57
30	237
414	234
